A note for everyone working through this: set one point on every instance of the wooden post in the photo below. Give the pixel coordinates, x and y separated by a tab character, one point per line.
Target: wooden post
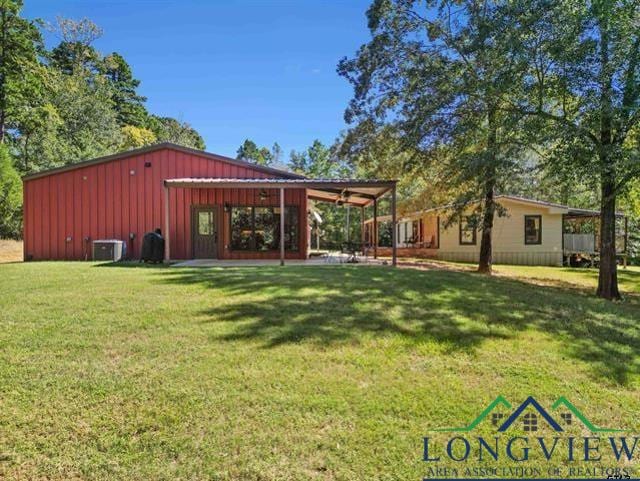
375	228
281	226
167	236
394	233
362	228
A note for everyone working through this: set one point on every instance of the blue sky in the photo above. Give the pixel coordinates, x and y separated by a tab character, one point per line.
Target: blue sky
264	70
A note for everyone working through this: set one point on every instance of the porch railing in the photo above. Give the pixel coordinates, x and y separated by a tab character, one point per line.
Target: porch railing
580	243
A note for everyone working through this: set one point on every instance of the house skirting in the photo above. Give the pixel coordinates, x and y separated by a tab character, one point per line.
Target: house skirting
409	252
516	258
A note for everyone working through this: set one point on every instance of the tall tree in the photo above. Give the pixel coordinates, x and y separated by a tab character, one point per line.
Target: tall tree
276	154
250	152
128	103
10	197
437	72
583	81
168	129
319	161
85	119
75	52
20	43
135	137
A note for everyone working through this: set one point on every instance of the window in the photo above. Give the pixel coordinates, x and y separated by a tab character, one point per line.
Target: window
258	228
267	232
291	228
205	223
467	231
532	229
241	228
415	234
409	232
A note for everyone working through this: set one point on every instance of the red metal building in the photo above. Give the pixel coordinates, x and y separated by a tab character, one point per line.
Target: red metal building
212	206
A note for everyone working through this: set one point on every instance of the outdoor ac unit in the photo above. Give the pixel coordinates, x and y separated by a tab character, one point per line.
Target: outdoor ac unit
109	250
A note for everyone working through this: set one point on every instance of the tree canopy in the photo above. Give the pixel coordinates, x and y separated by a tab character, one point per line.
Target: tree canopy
65	105
433	84
581	80
531	96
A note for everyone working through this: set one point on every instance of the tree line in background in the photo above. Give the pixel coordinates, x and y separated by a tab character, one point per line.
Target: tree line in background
67	104
476	98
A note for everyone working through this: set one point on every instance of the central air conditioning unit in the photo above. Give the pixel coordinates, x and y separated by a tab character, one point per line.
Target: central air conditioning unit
109	250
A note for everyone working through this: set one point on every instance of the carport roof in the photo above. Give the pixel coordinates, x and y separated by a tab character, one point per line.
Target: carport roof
353	191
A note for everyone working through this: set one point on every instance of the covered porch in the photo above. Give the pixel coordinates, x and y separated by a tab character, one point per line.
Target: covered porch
417	234
581	236
273	198
331	259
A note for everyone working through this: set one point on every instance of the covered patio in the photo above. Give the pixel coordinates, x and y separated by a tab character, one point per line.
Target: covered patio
331	259
581	235
359	193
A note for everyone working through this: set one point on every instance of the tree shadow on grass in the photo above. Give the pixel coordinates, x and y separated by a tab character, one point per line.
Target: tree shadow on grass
332	304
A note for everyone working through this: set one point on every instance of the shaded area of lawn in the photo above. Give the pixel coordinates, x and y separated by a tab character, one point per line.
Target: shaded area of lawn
459	310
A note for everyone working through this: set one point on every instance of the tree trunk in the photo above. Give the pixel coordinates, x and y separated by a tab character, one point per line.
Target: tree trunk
608	274
489	206
484	266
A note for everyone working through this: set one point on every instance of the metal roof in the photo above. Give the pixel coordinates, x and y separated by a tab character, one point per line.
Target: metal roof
352	191
560	208
160	146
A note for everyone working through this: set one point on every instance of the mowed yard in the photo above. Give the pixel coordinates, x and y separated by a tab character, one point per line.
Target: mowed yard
295	373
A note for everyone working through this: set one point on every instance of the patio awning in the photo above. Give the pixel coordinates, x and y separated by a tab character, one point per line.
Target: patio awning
359	192
577	213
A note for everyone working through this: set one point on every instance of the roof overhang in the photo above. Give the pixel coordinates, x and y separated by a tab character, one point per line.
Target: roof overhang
574	213
359	192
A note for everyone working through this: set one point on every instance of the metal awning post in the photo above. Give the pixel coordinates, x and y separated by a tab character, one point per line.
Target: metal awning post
375	228
394	234
281	226
167	237
362	228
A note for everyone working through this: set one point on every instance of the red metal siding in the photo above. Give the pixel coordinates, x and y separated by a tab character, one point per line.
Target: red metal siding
114	199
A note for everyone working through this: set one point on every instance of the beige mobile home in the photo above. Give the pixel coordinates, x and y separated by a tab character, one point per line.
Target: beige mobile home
530	232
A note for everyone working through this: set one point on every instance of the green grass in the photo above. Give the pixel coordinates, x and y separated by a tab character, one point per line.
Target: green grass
583	278
628	279
333	372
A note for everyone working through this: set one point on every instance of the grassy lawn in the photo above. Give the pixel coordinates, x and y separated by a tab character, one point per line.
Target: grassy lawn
295	373
628	279
582	278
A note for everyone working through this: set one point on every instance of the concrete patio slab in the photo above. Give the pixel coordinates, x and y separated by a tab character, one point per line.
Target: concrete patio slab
331	259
